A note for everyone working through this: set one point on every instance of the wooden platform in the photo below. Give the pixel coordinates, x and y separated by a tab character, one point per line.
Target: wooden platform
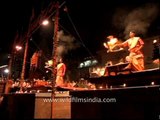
26	106
117	69
137	100
141	78
120	103
138	103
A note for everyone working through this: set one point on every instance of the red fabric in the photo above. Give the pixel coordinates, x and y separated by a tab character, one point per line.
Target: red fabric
34	59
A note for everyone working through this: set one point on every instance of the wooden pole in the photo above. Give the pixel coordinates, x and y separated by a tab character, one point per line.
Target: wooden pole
55	42
24	64
11	59
10	66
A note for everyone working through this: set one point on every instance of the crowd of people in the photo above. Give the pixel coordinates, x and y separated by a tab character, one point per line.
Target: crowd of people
38	85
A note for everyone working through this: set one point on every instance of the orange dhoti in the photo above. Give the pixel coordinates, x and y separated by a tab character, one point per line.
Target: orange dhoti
136	61
136	57
61	69
59	81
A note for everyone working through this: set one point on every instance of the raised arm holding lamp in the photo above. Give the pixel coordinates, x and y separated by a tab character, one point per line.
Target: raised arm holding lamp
135	57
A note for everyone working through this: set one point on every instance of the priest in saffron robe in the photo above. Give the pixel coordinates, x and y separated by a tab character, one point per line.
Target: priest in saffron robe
135	57
61	69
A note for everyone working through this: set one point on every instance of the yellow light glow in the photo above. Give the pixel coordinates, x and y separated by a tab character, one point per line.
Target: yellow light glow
45	22
50	62
154	41
124	85
102	71
152	83
6	71
18	47
113	41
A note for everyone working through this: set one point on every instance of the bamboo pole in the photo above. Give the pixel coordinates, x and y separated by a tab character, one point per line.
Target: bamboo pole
24	64
54	53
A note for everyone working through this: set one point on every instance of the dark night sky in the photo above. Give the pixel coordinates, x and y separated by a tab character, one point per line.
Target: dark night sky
94	20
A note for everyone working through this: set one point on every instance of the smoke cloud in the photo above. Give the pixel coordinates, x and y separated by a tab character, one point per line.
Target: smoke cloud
65	44
138	19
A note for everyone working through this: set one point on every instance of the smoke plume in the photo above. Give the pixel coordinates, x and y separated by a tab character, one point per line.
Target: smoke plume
65	44
138	19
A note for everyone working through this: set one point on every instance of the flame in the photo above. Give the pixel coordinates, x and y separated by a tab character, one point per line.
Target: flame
99	71
112	43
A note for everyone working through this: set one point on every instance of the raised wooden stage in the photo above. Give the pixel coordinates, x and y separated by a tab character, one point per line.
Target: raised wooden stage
141	78
138	100
136	103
